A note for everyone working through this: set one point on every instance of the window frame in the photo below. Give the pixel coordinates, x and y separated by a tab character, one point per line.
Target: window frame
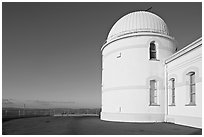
153	51
192	88
153	91
172	92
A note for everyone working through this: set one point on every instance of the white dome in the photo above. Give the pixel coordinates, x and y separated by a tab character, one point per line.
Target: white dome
140	21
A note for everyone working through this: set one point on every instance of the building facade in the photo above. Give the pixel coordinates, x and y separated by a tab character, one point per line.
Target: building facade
184	85
138	65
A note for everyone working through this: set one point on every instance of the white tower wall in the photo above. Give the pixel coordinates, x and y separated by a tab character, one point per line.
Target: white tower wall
126	73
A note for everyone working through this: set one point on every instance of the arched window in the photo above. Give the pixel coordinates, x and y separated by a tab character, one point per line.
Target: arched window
152	51
192	93
153	92
172	91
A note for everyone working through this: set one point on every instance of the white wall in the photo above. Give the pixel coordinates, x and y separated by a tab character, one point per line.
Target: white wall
125	80
178	68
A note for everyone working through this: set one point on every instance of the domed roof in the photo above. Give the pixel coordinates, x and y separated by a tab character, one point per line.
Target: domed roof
140	21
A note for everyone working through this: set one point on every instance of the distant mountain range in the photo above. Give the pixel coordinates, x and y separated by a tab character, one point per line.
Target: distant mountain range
14	103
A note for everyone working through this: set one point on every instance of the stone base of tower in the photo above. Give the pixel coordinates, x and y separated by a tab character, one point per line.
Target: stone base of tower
132	117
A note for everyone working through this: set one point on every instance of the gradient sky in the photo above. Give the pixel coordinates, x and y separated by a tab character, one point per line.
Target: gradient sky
51	51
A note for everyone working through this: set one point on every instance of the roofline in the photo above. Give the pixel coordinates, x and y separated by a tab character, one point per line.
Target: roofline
106	43
185	50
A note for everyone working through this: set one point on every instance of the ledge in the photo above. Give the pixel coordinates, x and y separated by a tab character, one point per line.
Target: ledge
172	105
190	105
107	42
154	105
154	60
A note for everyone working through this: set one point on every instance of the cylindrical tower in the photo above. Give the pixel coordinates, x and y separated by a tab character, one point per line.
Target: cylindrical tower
133	68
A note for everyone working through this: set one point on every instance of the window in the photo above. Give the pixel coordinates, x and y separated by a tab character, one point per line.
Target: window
153	92
152	50
172	91
191	76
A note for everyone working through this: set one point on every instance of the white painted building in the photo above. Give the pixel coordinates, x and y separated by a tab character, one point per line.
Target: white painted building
144	79
184	70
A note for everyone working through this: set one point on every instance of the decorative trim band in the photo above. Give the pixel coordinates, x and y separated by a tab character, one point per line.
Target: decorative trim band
185	63
185	50
137	34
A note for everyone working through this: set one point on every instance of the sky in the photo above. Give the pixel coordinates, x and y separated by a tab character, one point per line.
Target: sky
52	51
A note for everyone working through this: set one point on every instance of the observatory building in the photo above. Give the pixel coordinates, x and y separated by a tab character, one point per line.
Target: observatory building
145	79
